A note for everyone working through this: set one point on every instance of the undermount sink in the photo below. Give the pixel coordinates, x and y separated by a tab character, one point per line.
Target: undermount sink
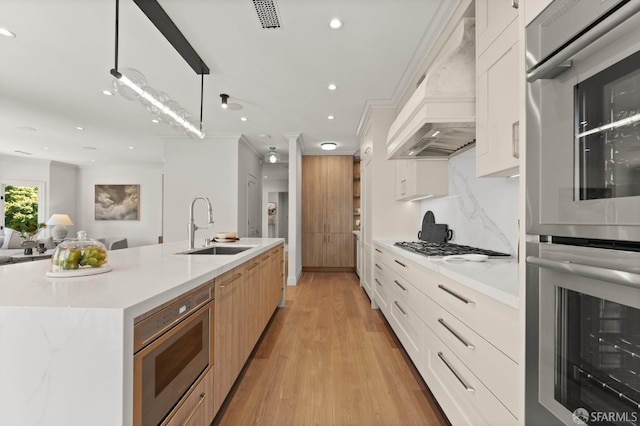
219	250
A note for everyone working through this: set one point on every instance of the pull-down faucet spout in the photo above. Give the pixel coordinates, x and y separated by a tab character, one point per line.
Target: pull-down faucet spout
192	226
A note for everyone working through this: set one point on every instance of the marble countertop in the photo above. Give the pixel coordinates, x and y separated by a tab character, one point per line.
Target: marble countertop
496	278
142	278
71	339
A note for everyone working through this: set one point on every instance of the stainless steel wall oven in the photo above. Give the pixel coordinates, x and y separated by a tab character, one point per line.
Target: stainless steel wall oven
583	214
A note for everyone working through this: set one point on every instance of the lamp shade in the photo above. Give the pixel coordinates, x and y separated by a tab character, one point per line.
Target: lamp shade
59	219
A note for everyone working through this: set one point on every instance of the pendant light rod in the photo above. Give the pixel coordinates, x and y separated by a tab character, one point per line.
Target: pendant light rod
201	98
117	33
170	31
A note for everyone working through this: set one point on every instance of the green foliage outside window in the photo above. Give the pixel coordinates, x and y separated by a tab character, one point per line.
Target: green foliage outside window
21	210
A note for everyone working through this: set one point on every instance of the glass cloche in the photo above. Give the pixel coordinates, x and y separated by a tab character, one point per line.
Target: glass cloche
78	254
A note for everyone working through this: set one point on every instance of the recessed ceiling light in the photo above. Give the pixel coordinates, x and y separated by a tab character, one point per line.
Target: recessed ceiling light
79	128
45	148
107	93
332	87
331	117
132	147
328	146
93	161
243	118
155	120
5	32
335	24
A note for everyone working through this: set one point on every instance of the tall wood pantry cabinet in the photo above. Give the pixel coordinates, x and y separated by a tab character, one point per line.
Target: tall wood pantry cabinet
327	212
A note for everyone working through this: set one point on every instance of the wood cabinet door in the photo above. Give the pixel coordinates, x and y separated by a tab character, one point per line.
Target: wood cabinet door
224	352
313	249
339	187
339	250
314	193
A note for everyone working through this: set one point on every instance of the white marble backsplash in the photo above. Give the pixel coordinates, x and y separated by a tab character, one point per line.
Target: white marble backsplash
482	212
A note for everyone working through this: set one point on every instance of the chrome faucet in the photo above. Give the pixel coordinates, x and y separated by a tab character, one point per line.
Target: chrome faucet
192	226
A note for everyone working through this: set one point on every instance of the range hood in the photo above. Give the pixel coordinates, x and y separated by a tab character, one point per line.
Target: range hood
439	119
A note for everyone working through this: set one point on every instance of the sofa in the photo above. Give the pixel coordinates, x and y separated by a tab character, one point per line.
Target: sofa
10	243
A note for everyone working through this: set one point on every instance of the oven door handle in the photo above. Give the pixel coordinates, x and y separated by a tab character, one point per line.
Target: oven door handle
625	278
559	62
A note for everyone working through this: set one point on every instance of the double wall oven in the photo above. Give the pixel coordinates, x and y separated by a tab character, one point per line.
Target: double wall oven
583	214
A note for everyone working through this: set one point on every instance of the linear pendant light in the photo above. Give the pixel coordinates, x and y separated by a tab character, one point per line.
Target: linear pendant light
161	20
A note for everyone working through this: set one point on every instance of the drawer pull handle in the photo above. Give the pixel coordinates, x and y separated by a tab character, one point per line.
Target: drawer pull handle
400	285
195	409
455	334
400	263
378	266
231	281
456	295
455	373
400	307
379	251
379	283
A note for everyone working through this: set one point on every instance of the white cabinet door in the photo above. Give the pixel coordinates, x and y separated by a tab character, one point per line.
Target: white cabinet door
419	179
498	100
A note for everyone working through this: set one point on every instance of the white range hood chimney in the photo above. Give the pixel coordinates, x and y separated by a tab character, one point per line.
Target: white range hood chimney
439	118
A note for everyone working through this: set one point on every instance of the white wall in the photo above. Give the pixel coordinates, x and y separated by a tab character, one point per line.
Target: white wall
62	196
295	210
248	166
140	232
208	168
482	212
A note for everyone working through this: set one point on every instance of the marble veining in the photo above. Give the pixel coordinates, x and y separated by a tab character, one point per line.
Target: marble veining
482	212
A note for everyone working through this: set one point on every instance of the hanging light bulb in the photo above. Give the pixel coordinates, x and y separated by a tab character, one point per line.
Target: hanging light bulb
272	156
225	98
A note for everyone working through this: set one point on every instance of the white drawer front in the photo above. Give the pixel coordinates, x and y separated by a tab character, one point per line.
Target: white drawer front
462	396
407	327
495	321
497	372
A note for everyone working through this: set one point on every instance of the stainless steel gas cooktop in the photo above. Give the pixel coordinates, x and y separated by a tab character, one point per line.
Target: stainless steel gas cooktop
445	249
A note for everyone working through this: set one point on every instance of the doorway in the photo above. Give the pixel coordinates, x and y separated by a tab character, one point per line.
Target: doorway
278	215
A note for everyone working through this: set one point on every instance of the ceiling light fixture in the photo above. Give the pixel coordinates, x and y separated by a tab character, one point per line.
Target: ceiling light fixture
332	87
5	32
335	24
243	118
131	84
225	98
328	146
331	117
272	156
79	128
107	93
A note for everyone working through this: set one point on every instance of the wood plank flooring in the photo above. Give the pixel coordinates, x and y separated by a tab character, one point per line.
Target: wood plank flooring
327	358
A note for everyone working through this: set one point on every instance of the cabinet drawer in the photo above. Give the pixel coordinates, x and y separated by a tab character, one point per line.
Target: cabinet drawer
495	321
193	410
407	327
497	372
380	284
462	396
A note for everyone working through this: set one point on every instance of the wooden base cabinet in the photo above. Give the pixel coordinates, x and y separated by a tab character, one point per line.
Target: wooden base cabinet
246	298
196	408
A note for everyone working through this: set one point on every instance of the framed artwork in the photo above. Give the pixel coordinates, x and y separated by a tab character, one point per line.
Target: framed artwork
117	202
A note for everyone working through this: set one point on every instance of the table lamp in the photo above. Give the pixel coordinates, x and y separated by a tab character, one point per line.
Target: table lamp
61	221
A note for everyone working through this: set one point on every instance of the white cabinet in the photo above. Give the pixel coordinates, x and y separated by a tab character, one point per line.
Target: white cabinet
418	179
463	343
498	99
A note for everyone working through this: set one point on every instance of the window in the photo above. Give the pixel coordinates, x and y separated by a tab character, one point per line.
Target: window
21	204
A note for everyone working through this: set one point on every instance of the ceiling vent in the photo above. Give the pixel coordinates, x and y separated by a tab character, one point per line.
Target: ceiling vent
267	13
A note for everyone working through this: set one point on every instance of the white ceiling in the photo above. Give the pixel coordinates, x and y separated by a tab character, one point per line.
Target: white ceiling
53	72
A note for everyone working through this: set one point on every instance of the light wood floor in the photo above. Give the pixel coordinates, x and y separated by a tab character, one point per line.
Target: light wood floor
328	359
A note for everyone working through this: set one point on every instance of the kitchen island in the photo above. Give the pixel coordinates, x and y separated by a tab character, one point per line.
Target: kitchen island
67	343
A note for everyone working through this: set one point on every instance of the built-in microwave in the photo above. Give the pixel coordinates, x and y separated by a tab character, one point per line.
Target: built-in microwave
173	347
